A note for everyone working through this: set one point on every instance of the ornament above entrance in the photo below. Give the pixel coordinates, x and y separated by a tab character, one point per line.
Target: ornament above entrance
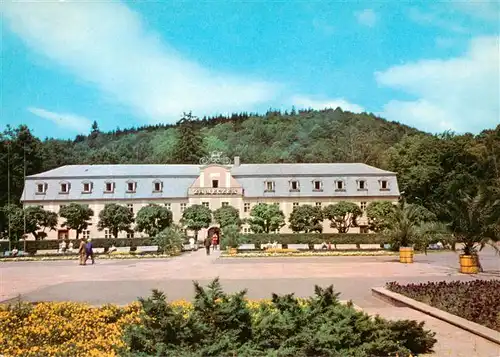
217	158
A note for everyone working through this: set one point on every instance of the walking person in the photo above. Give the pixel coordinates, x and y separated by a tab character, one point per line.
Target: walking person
81	251
215	241
89	251
207	242
191	244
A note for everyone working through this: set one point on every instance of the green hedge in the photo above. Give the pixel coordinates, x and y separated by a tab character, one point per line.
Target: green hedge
314	238
32	245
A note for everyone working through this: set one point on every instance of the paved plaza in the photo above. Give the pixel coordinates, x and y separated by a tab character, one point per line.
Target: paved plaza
122	281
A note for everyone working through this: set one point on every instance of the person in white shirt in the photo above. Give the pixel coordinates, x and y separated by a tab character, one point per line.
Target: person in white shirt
191	243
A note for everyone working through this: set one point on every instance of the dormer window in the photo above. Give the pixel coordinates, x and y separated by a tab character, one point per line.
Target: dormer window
131	186
294	186
157	186
384	185
64	187
317	185
41	188
339	185
87	187
361	185
269	186
109	187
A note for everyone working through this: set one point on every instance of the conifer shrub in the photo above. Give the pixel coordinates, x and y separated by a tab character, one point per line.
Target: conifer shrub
220	324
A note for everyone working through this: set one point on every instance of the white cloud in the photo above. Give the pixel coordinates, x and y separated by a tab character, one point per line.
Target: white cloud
303	102
460	93
73	122
367	17
105	44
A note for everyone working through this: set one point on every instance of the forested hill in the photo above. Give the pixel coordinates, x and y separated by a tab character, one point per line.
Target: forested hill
305	136
427	165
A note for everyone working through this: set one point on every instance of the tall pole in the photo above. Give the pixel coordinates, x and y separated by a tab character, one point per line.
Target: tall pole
8	193
24	196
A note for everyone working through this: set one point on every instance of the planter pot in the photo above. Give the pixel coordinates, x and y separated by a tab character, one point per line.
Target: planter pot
406	255
469	264
233	251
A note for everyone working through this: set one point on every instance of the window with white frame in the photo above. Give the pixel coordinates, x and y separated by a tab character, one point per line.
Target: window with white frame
269	186
246	207
183	206
86	234
131	186
130	234
64	187
41	188
318	204
87	187
109	187
295	204
168	206
157	186
362	185
363	206
317	185
130	207
246	230
384	185
225	204
339	185
107	234
294	185
206	204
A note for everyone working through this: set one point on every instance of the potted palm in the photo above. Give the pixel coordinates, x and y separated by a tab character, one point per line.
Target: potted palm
408	225
475	222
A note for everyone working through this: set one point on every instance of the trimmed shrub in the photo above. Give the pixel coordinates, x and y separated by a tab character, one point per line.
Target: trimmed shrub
314	238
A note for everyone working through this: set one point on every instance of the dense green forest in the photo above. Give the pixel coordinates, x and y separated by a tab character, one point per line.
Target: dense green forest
431	168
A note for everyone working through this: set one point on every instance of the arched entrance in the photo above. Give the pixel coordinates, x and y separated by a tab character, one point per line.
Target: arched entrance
212	231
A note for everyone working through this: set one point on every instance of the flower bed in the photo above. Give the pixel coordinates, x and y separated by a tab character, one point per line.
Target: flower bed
311	253
477	301
112	256
214	324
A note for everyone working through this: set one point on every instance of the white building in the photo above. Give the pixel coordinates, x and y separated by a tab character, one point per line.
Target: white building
214	183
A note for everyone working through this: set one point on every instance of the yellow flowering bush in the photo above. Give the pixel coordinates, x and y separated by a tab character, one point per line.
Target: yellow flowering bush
64	329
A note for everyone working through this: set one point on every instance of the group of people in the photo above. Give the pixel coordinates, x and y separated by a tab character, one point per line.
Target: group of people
211	242
85	251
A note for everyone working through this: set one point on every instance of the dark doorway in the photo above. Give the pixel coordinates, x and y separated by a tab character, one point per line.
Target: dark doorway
212	231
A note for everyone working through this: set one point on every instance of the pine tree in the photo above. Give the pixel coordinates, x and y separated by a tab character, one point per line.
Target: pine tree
189	146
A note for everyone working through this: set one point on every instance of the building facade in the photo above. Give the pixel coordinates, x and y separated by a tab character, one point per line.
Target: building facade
216	182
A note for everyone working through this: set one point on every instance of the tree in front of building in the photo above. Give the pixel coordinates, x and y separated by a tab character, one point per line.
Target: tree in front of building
116	218
266	218
379	214
188	147
14	222
227	216
170	240
306	218
231	236
196	217
342	215
77	217
153	219
38	220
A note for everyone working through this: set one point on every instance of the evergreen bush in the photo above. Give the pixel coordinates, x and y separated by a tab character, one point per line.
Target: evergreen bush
221	324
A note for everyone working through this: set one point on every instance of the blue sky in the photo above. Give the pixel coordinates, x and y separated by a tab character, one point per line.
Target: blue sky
431	65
